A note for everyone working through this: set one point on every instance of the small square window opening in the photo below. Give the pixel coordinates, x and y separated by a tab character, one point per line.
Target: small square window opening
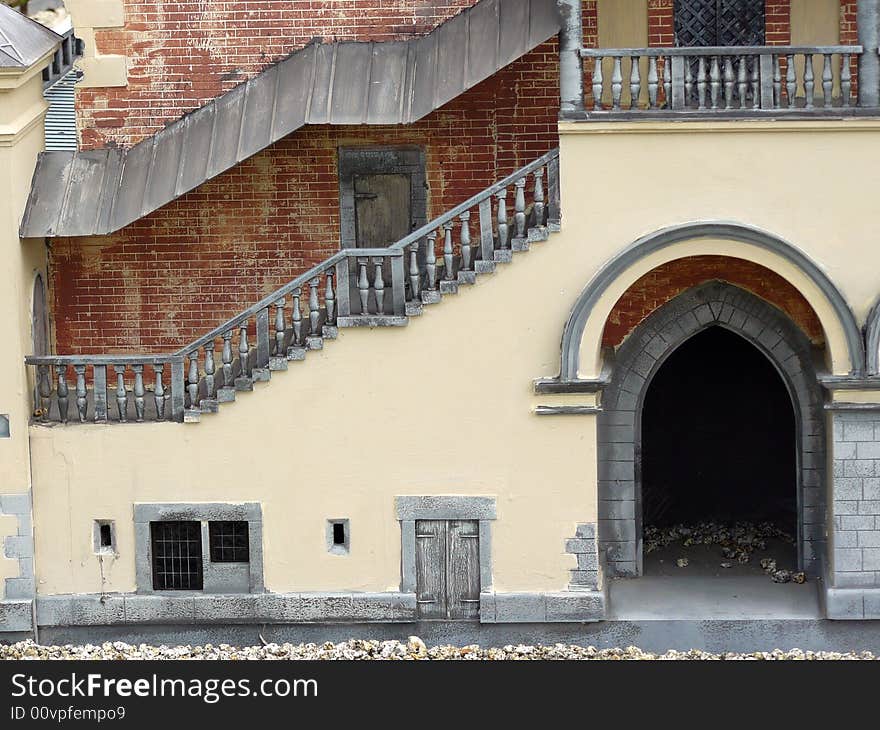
229	542
104	535
338	537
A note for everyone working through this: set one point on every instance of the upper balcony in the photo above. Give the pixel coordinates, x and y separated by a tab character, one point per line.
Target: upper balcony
718	59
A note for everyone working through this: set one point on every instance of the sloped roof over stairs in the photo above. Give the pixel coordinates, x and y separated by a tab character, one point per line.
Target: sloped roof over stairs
397	82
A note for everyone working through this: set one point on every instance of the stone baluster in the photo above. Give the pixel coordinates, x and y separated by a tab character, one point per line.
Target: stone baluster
138	392
777	83
519	208
756	83
729	80
414	273
653	82
210	370
501	195
431	261
845	80
226	357
667	81
715	82
598	86
702	84
790	80
280	327
827	81
121	393
448	258
809	82
616	83
82	402
363	285
296	318
99	392
314	307
379	286
44	388
63	391
742	84
330	300
159	392
635	83
244	349
465	218
193	379
539	208
688	82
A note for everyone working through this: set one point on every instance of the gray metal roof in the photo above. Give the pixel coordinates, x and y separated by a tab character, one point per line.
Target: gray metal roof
100	191
23	41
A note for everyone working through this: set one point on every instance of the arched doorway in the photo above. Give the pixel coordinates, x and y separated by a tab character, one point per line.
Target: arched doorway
39	322
719	448
701	322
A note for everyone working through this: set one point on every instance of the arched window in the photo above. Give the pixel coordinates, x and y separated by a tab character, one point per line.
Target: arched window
39	323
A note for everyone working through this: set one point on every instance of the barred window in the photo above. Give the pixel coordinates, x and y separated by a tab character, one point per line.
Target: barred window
177	556
229	542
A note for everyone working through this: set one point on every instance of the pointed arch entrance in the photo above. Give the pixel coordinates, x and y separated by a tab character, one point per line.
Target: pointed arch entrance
639	359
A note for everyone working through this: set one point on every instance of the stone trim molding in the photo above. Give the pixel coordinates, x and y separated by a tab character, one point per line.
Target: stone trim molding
219	578
265	608
585	548
872	337
583	307
19	547
562	606
638	359
455	507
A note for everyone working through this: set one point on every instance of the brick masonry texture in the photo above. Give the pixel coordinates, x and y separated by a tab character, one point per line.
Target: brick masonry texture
180	271
667	281
856	499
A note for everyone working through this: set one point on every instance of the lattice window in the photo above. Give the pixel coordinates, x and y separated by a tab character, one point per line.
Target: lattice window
177	556
229	542
719	22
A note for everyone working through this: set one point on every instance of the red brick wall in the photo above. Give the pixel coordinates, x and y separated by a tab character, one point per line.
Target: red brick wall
181	54
666	281
661	29
182	270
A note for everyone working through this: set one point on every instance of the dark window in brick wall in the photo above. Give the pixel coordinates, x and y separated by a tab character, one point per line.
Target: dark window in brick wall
177	556
229	542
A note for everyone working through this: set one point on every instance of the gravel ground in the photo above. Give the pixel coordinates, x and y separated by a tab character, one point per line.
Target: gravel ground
414	649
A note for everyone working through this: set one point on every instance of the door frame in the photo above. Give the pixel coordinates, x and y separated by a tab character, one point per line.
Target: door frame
377	160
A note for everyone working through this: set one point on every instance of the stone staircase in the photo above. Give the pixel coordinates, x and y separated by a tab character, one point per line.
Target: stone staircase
353	288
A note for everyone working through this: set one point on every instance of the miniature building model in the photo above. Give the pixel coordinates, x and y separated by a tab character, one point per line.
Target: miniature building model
500	311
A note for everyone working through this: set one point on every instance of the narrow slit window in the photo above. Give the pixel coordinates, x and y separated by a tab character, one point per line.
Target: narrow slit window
105	537
177	556
338	533
338	537
229	542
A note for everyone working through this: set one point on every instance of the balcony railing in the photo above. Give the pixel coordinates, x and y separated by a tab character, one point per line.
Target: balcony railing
731	81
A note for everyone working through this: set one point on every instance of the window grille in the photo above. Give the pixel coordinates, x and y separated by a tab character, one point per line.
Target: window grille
177	556
229	542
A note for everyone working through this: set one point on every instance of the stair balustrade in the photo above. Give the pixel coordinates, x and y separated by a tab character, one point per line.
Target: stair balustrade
358	288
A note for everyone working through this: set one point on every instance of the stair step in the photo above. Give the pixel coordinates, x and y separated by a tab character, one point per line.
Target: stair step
329	332
209	405
484	267
244	385
277	363
226	395
467	277
538	234
430	296
449	286
315	342
261	375
414	309
192	415
374	320
296	352
503	256
519	244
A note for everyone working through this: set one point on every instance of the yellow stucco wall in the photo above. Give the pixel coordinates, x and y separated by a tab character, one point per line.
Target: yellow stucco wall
445	406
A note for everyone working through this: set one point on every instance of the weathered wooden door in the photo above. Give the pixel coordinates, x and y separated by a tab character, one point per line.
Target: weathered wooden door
382	209
719	22
448	569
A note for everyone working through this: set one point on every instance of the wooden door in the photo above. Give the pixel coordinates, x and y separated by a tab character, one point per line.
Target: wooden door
381	209
448	569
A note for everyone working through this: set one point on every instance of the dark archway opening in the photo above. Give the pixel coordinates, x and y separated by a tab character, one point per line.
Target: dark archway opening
718	446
